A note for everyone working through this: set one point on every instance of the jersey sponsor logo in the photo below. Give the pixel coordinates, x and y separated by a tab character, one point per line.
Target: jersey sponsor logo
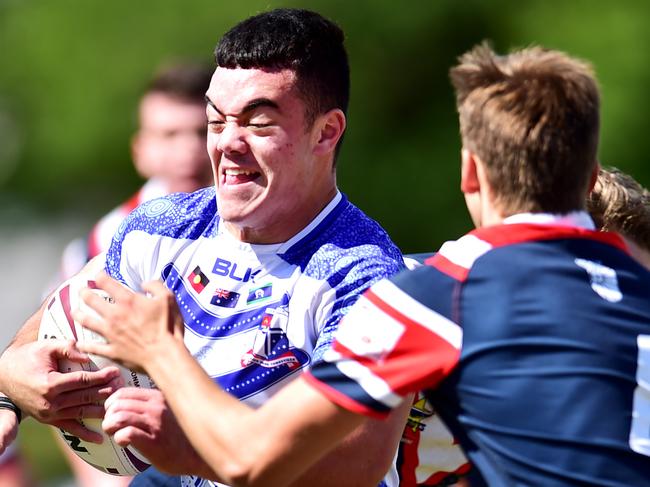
74	442
225	268
603	280
198	280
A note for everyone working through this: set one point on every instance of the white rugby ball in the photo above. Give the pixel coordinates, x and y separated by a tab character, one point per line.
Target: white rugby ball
57	323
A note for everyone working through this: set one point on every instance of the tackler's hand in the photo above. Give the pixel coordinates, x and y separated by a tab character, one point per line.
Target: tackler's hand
31	378
137	327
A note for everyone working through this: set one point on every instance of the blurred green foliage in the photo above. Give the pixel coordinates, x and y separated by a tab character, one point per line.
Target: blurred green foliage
71	72
45	460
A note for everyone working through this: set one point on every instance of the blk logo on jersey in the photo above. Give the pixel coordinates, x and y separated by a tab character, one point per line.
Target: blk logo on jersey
224	298
198	280
223	267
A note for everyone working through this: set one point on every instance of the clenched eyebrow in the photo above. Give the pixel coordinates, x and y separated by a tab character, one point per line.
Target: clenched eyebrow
250	106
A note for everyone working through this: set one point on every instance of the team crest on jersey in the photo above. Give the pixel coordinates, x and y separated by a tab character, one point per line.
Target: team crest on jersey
271	347
603	280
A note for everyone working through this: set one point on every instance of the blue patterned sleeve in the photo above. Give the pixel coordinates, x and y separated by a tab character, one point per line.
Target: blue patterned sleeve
355	272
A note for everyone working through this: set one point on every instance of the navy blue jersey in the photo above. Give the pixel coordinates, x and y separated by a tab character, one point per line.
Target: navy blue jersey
554	321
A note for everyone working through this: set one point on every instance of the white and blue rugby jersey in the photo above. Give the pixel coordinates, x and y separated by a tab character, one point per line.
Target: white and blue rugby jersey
254	315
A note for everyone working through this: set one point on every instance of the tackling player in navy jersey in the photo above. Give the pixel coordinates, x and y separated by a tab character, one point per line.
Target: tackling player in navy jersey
551	384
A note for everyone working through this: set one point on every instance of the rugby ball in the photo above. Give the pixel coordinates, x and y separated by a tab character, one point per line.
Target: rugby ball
57	323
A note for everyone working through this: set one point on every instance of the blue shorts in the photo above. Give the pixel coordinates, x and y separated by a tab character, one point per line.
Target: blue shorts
153	478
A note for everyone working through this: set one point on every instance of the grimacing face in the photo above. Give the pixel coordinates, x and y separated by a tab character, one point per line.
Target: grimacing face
269	176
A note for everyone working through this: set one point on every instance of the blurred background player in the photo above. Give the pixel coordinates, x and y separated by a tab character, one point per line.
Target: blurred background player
618	203
13	470
169	151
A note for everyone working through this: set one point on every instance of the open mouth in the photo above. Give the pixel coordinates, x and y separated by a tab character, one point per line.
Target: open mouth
232	176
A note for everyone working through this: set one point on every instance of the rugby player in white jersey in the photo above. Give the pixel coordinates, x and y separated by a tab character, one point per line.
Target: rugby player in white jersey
266	262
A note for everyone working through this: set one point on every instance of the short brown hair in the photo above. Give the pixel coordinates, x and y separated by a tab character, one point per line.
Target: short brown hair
532	117
185	80
618	203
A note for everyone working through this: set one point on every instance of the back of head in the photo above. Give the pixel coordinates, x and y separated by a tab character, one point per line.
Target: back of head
185	81
620	204
532	117
300	40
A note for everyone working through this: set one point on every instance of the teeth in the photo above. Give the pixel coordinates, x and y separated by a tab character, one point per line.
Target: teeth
238	172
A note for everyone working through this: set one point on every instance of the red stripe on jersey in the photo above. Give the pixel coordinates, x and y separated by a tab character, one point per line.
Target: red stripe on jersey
506	234
409	447
420	359
438	477
64	297
132	203
446	266
94	246
340	399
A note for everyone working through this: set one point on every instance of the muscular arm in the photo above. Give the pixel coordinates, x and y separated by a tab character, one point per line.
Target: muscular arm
363	457
273	445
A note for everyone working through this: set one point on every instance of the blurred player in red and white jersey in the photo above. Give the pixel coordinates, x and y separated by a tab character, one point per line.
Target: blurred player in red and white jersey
168	150
14	472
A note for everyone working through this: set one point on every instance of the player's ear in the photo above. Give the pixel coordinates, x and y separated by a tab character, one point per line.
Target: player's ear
469	180
328	130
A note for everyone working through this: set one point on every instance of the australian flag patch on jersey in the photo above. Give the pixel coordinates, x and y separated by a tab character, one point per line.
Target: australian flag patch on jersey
224	298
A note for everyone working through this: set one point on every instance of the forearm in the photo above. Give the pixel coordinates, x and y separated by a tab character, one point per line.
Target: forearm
208	416
364	457
269	446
